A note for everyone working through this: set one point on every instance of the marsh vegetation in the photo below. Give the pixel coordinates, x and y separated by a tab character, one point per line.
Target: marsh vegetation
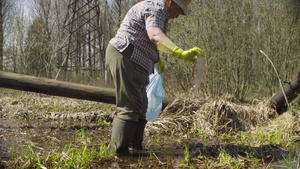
40	131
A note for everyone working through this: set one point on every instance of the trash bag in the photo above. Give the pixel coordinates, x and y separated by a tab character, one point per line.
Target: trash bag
155	94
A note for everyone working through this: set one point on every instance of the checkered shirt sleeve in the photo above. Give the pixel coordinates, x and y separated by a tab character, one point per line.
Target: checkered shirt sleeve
133	29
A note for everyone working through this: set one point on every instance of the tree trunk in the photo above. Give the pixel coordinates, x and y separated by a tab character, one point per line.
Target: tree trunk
291	90
1	34
59	88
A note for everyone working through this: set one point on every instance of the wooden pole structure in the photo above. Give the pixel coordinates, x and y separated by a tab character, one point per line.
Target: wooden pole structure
60	88
291	90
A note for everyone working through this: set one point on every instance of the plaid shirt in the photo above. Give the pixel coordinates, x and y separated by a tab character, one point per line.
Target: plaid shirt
133	29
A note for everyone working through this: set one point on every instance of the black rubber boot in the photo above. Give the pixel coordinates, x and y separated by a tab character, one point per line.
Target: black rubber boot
122	133
137	139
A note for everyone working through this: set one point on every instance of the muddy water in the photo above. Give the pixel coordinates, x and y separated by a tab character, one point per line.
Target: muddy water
43	135
22	122
18	133
28	118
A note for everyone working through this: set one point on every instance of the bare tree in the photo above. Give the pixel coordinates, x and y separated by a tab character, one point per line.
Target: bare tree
231	35
1	34
5	6
73	35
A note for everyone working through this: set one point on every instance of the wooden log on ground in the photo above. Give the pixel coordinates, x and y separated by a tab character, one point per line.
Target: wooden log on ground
60	88
291	90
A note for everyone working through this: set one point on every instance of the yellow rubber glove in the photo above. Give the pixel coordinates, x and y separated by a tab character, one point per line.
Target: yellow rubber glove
188	55
167	46
161	65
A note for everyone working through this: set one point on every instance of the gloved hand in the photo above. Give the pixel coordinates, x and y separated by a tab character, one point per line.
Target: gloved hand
188	55
167	46
161	65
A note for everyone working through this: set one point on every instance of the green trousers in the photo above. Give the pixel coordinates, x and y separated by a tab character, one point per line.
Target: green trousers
130	81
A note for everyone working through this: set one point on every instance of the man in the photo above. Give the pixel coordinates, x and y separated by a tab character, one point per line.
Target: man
131	56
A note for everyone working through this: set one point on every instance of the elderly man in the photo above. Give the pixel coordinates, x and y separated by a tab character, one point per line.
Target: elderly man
131	56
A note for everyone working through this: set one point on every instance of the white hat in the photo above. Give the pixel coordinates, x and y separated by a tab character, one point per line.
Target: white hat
183	5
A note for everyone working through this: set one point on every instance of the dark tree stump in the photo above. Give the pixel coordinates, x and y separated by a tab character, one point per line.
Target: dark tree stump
291	90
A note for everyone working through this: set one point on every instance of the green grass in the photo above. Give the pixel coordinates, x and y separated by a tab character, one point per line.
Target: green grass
227	159
158	138
81	153
70	105
186	153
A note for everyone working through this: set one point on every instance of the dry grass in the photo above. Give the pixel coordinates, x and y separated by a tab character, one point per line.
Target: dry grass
214	116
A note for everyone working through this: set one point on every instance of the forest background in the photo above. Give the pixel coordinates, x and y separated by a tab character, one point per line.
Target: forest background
48	40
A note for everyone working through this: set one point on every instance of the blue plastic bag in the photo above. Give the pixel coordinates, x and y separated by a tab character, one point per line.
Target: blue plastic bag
155	94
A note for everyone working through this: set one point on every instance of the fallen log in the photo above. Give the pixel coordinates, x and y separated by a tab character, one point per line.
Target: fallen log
60	88
291	90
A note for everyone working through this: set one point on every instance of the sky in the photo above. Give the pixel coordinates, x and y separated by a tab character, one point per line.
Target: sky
26	5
